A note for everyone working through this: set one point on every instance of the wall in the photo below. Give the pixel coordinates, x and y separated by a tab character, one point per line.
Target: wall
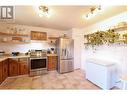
76	35
25	47
114	53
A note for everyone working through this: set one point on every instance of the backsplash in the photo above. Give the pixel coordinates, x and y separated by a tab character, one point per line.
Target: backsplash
10	47
23	48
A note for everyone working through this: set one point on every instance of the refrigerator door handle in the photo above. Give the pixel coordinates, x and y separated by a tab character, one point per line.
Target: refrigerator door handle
65	52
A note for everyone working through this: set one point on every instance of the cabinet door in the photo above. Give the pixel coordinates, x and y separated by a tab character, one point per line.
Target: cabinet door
38	35
1	72
23	66
52	62
13	67
5	69
23	69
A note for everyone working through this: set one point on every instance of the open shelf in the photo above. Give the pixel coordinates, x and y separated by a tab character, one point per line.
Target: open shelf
120	28
15	42
53	38
9	34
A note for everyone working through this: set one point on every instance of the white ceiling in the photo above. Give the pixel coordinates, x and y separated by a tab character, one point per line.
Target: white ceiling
63	17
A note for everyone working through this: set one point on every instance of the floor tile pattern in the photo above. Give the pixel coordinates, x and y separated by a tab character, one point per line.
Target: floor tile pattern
52	80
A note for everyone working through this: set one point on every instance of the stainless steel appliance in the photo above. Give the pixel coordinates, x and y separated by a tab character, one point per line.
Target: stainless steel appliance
2	53
65	51
38	62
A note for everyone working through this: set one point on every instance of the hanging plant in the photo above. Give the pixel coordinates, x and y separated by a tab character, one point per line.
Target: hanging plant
111	36
102	37
95	38
125	38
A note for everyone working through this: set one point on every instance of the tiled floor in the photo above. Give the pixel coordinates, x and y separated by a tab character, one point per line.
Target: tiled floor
52	80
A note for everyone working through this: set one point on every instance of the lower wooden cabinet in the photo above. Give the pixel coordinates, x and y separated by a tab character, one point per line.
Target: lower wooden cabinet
1	79
52	62
13	67
23	66
5	69
18	67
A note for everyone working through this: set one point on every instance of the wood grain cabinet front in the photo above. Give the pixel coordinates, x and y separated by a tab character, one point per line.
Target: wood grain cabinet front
23	66
35	35
1	79
5	69
52	62
13	67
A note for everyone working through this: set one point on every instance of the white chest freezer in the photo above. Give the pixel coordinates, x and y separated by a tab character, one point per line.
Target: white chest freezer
101	73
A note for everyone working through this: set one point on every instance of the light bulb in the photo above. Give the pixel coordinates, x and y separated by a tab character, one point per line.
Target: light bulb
41	15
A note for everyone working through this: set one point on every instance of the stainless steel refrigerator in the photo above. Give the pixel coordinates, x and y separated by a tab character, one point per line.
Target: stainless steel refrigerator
65	51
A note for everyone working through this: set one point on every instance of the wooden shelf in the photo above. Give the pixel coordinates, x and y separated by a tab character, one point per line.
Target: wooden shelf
53	38
119	28
9	34
10	42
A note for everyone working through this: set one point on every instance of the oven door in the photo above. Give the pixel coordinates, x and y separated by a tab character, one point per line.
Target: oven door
38	63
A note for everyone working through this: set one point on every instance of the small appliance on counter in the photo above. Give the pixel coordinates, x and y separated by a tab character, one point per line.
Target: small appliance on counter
15	53
52	51
2	53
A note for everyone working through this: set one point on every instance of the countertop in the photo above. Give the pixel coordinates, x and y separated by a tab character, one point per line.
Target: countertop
52	55
10	56
20	56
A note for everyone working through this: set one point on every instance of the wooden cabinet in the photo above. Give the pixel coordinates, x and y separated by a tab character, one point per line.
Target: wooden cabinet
18	66
52	62
5	69
38	35
23	66
1	72
13	67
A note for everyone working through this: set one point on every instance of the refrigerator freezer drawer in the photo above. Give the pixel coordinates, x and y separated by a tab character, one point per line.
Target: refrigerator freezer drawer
66	66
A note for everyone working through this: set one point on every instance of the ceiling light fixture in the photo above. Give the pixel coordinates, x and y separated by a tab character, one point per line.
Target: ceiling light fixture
44	11
93	12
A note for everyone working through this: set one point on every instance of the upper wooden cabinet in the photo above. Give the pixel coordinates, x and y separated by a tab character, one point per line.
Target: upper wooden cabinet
38	35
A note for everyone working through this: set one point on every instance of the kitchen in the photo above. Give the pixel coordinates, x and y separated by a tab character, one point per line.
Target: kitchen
66	59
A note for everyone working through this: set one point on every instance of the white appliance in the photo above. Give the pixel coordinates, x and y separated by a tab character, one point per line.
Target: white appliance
65	51
101	73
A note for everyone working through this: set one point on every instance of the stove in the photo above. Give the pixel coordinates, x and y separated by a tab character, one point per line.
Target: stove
38	62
